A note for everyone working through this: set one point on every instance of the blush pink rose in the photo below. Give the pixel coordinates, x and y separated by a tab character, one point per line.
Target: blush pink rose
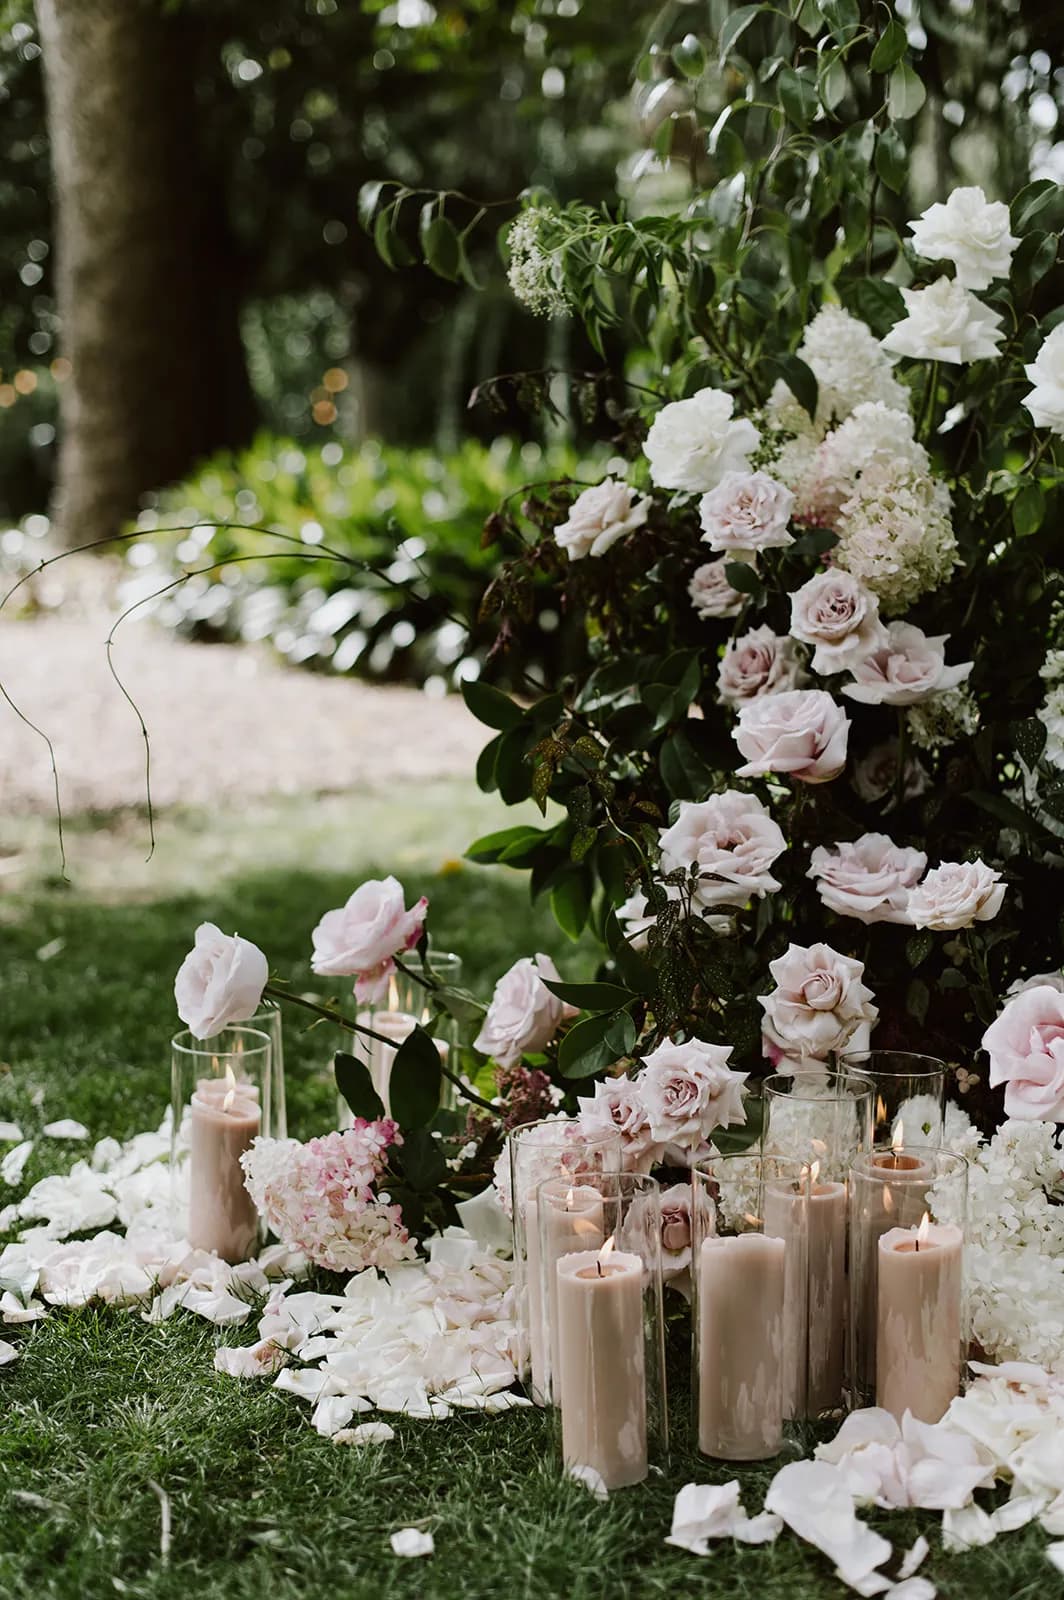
732	839
819	1005
599	517
1026	1049
676	1234
802	734
956	894
219	982
710	592
839	617
523	1015
746	511
761	662
688	1090
617	1106
905	668
362	938
869	879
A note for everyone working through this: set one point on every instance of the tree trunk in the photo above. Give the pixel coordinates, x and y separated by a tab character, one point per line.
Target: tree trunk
148	281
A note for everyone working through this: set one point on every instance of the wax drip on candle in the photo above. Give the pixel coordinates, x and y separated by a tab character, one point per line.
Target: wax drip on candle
604	1254
922	1231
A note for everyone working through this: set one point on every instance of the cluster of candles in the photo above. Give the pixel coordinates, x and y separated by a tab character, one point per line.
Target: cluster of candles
810	1293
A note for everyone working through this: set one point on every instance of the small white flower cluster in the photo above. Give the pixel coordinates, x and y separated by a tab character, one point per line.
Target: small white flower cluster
1015	1244
533	273
896	536
850	369
1051	711
947	718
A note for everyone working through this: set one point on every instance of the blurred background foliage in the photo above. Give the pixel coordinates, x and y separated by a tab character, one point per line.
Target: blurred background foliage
281	114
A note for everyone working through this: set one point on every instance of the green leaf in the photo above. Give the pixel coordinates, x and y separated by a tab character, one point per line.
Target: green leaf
513	773
591	996
460	1004
735	24
570	902
368	200
917	999
875	302
684	772
743	577
1029	509
1029	740
491	706
843	17
356	1086
414	1084
621	1035
690	56
1030	201
906	93
585	1049
1008	812
798	96
422	1161
486	764
1034	258
890	46
918	947
892	159
799	379
832	84
439	241
509	844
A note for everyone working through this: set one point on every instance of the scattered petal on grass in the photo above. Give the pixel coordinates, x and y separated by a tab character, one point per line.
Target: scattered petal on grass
49	951
13	1311
260	1360
7	1353
704	1511
14	1163
967	1529
814	1502
914	1558
335	1412
1015	1513
365	1433
66	1128
912	1589
592	1481
1055	1554
412	1542
10	1133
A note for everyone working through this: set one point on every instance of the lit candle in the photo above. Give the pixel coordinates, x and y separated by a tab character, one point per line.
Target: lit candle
918	1345
560	1217
602	1364
741	1346
380	1056
816	1348
224	1118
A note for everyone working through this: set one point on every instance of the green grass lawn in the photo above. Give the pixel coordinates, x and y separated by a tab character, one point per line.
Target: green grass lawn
100	1406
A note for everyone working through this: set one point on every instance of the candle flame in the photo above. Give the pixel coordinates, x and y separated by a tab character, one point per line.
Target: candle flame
897	1140
569	1200
393	995
881	1109
819	1146
604	1254
922	1230
814	1173
228	1100
230	1076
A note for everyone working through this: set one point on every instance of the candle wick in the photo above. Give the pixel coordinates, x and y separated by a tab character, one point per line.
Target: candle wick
917	1247
598	1264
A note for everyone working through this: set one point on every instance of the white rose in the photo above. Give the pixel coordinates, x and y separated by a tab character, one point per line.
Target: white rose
945	323
875	776
219	982
617	1107
362	938
819	1005
955	894
734	842
870	879
761	662
1026	1049
972	232
802	733
688	1090
904	669
1046	400
746	511
693	443
523	1015
839	617
599	517
711	593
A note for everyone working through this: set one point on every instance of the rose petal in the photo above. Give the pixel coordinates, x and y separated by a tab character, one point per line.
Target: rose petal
914	1558
8	1353
814	1502
592	1481
966	1529
1055	1555
10	1133
912	1589
412	1542
14	1163
66	1128
365	1433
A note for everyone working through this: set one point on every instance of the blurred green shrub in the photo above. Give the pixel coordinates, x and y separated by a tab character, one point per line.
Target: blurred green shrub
413	518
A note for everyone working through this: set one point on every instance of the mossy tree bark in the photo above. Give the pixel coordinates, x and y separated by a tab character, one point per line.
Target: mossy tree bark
149	280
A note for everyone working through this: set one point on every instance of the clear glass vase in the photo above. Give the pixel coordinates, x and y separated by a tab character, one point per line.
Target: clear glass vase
220	1092
595	1281
268	1020
910	1094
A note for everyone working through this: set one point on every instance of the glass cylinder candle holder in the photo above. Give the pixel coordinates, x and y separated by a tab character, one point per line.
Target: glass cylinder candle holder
908	1309
819	1116
598	1258
220	1092
412	999
553	1148
910	1094
267	1020
750	1221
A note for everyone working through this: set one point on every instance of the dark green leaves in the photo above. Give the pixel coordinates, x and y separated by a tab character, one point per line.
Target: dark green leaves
890	46
734	25
906	93
1029	740
439	242
570	902
875	302
421	1161
685	772
743	577
416	1076
491	706
798	96
1030	201
799	379
1029	509
594	1045
356	1086
891	159
1033	259
591	996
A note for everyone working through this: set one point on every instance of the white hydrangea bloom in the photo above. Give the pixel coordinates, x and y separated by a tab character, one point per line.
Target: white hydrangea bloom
1051	711
945	719
896	536
533	271
850	368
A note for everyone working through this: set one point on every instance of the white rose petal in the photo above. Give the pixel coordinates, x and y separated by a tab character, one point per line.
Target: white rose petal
523	1015
914	1558
8	1353
903	669
967	1528
13	1164
219	982
67	1128
955	894
412	1542
260	1360
945	323
814	1502
599	517
365	1433
1046	400
10	1133
733	840
591	1480
1055	1555
802	734
870	879
972	232
692	443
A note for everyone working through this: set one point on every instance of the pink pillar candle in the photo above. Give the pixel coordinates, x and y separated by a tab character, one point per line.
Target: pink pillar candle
741	1346
560	1218
816	1321
919	1314
601	1379
223	1121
